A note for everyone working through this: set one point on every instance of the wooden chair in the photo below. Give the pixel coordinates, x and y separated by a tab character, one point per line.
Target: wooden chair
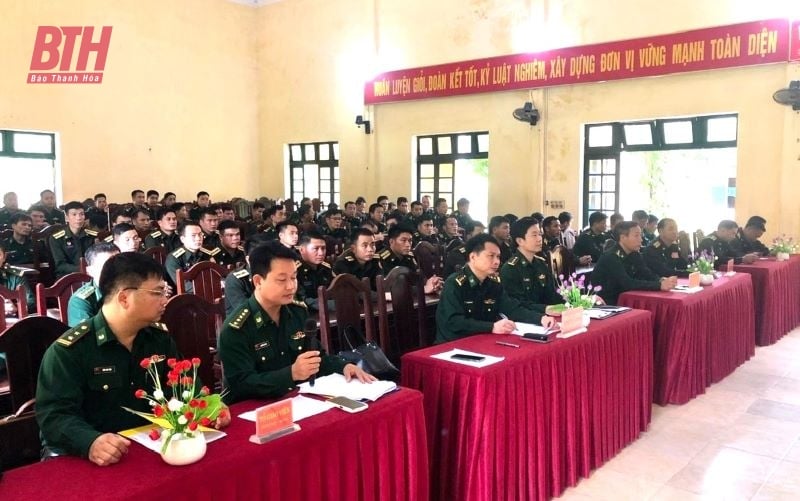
61	291
24	344
430	258
19	440
206	279
697	237
158	254
352	299
42	255
19	296
193	323
82	264
404	330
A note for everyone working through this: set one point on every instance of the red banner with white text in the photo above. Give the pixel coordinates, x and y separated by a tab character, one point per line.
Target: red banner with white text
746	44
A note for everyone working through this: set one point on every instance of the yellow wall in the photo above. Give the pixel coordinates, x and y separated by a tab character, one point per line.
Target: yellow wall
176	110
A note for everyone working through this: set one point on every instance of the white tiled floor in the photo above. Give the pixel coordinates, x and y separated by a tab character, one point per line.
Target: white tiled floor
738	441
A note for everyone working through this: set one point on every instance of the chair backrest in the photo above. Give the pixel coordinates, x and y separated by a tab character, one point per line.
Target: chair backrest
158	254
561	261
19	440
24	344
61	291
683	244
430	258
697	237
192	322
352	300
404	329
206	278
18	295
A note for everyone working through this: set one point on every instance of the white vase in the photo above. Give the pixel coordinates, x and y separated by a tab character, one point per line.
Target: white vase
706	279
783	256
183	449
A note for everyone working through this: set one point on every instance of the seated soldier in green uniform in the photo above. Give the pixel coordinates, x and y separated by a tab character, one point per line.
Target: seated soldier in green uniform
288	235
623	269
238	284
85	302
10	207
19	246
69	244
231	237
526	276
12	277
474	301
719	243
746	241
590	242
92	370
360	259
262	343
663	256
126	237
47	203
191	253
399	254
425	231
641	217
166	235
312	269
500	229
333	225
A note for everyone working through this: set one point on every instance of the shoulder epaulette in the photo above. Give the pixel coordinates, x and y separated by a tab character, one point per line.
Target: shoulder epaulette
385	253
240	248
59	234
237	322
349	258
297	264
241	273
179	252
657	244
540	258
160	326
91	233
155	234
460	279
86	291
513	261
299	303
619	253
462	250
210	252
109	239
325	264
73	335
494	278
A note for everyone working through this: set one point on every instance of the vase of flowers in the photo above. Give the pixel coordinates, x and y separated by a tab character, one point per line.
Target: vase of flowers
782	247
704	264
179	409
576	294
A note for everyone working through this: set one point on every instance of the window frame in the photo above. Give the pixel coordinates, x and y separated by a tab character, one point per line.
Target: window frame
331	165
437	159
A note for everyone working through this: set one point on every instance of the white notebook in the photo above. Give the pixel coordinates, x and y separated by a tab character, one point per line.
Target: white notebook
334	385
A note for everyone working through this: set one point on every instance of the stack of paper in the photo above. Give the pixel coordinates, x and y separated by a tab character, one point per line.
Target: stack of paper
302	407
605	311
334	385
523	328
686	289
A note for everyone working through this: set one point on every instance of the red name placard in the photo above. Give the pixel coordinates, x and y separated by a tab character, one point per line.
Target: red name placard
758	42
273	417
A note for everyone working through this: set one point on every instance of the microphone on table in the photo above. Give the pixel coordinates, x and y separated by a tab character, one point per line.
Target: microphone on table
311	341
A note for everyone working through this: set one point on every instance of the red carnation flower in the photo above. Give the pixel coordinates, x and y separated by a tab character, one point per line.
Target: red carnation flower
189	415
193	403
193	425
140	394
145	363
203	404
187	364
158	411
205	421
155	434
196	362
186	381
171	363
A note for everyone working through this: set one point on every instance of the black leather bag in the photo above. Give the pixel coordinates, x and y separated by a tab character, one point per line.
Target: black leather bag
367	355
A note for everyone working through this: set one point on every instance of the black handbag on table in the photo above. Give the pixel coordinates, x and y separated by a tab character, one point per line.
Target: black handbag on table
367	355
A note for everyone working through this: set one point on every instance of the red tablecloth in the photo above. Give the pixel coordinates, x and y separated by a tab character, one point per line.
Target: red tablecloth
699	338
377	454
776	286
530	426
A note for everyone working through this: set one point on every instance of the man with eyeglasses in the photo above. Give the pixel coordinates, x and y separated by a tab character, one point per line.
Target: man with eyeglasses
333	225
91	371
85	302
191	253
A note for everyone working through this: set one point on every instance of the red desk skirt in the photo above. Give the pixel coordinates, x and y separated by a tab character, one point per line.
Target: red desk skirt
377	454
530	426
699	338
776	286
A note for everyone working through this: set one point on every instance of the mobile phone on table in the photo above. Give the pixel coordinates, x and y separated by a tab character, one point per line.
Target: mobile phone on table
468	358
538	338
348	405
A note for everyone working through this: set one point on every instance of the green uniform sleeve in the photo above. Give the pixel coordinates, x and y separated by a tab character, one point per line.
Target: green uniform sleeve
62	264
515	310
512	283
59	394
615	271
172	265
235	294
451	320
78	310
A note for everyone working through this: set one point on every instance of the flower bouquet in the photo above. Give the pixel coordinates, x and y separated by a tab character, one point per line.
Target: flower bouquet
782	247
576	294
704	264
186	409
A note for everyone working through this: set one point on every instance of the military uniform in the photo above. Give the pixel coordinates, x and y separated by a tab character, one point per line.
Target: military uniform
158	238
418	237
744	246
68	248
12	277
211	240
182	259
450	243
590	244
19	253
339	233
87	376
617	272
530	282
468	306
238	288
228	258
5	215
309	278
258	354
665	260
505	251
347	263
463	219
390	260
551	243
84	303
647	238
455	259
97	219
54	216
722	250
271	233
